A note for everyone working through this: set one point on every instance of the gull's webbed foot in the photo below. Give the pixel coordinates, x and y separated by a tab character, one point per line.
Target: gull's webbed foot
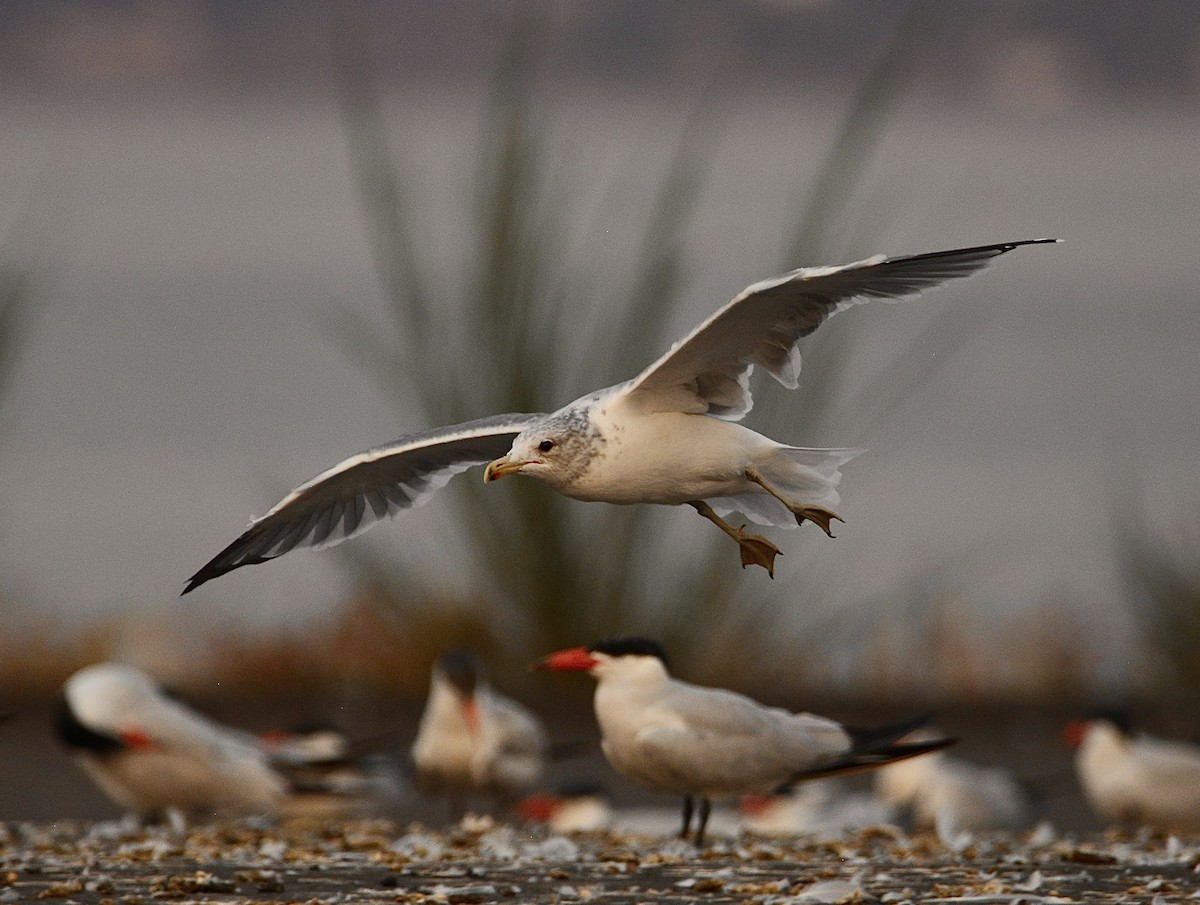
818	515
756	550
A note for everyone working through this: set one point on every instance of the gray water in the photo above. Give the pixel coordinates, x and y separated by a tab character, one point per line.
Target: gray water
175	379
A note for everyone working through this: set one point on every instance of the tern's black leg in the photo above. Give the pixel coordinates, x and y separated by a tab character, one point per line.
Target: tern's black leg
687	816
705	807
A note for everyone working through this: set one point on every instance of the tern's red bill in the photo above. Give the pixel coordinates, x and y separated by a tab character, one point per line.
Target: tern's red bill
137	739
1074	733
573	659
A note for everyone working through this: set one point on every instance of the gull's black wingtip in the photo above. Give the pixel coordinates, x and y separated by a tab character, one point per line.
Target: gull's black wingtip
979	253
221	564
1009	246
998	248
198	579
214	568
1003	248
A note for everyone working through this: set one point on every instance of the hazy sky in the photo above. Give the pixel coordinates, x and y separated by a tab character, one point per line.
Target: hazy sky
188	246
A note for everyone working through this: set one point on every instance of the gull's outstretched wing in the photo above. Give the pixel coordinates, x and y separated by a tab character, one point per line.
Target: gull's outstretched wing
353	495
708	371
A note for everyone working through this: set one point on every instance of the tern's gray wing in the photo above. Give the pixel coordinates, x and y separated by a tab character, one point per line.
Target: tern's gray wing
353	495
708	371
721	741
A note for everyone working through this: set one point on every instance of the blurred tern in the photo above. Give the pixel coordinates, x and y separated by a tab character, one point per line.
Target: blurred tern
821	808
1136	778
472	739
711	743
574	809
585	808
953	796
331	776
153	755
668	436
150	753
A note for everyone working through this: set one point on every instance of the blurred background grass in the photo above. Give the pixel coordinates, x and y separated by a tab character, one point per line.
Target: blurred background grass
535	280
569	571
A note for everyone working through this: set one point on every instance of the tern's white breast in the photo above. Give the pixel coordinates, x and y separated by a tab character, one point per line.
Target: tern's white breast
1144	779
444	745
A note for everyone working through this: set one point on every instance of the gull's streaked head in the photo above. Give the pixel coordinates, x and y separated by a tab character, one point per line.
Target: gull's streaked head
556	450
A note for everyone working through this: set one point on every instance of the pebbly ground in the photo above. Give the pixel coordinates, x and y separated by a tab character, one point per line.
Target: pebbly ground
481	861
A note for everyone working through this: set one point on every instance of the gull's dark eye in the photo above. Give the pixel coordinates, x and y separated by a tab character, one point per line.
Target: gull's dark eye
546	445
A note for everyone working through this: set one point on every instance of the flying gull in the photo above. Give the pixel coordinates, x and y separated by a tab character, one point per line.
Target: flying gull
668	436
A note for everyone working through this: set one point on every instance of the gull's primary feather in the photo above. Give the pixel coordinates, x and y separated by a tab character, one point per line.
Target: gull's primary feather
353	495
707	372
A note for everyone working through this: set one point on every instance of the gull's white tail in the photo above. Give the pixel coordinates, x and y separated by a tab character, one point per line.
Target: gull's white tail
803	475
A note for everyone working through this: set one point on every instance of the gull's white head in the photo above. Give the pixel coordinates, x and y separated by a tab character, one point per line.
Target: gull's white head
556	450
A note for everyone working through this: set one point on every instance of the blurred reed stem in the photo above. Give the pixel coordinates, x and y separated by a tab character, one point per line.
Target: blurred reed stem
16	291
1162	576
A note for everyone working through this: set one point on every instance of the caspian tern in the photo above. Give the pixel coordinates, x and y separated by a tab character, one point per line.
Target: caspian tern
331	776
954	796
822	808
574	809
708	743
586	809
1136	778
472	739
150	753
668	436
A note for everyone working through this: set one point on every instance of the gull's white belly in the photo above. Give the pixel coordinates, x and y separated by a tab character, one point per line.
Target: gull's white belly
668	458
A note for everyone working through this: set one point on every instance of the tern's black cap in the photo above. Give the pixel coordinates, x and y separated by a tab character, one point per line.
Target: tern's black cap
629	645
74	734
461	667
